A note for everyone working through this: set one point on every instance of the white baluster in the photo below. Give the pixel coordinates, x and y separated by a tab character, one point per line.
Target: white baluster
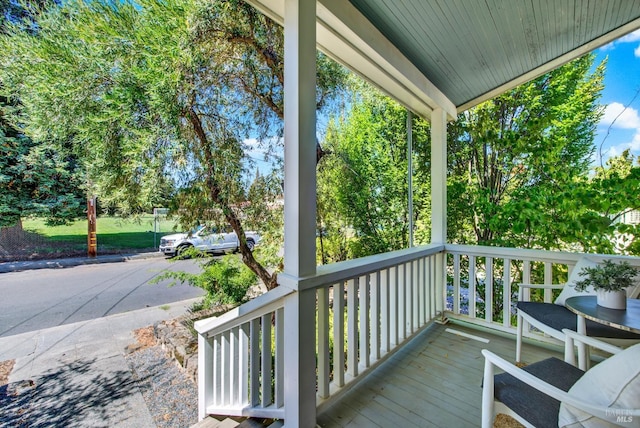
364	320
385	318
548	279
472	286
243	364
323	342
279	351
338	334
233	366
393	306
402	303
352	327
374	310
254	346
488	289
526	279
506	293
456	284
205	375
267	377
225	380
423	291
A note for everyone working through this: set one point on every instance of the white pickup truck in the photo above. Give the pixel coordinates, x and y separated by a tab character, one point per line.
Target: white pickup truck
205	239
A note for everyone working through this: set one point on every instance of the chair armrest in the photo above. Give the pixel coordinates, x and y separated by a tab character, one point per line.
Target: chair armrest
548	389
570	336
591	341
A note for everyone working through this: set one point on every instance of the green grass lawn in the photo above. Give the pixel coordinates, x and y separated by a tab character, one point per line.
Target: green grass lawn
113	232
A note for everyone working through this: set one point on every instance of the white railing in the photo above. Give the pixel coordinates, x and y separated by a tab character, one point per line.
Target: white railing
368	308
477	279
365	309
240	359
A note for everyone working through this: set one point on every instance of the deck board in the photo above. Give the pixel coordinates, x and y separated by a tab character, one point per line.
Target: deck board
434	381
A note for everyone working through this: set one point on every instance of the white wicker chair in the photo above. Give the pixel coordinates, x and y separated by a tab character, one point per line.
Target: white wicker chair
542	394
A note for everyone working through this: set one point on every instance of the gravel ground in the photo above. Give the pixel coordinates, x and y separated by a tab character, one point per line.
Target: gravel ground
172	398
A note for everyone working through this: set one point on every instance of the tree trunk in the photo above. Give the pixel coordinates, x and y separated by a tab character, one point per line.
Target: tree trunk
215	192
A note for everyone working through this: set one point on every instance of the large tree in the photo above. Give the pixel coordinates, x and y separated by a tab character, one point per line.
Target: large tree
610	195
155	92
518	168
34	179
363	184
517	161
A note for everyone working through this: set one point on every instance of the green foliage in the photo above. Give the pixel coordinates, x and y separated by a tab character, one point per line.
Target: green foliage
362	184
612	193
157	96
224	280
34	180
84	79
608	276
37	180
519	162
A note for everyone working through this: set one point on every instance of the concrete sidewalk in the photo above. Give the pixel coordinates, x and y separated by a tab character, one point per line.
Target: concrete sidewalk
80	370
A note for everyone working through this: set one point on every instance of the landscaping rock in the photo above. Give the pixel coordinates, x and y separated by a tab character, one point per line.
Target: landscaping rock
180	341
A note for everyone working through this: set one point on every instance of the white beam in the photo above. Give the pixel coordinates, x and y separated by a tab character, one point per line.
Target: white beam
348	37
438	177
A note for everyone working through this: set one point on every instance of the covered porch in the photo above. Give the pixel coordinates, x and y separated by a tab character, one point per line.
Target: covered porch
311	350
404	328
434	381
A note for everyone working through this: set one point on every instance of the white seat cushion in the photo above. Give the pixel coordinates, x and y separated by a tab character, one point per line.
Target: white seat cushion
569	290
614	383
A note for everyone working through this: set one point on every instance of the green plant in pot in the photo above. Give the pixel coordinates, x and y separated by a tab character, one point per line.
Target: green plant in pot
610	281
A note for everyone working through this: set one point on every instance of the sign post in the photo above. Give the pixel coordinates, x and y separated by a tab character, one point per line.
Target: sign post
92	239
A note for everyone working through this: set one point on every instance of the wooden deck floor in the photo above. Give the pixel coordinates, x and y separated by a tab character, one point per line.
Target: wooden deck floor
433	382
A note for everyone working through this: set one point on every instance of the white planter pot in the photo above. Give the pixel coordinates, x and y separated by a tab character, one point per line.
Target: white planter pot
612	299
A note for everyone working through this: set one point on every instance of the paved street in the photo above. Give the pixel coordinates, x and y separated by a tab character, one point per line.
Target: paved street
38	299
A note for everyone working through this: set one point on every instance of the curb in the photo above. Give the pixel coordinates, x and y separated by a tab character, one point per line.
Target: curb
19	266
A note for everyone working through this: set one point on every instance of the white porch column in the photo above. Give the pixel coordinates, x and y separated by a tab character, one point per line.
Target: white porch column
410	173
300	137
299	210
439	199
438	176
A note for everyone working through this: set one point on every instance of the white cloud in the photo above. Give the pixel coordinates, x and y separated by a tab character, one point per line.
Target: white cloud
624	118
633	145
631	37
628	119
253	148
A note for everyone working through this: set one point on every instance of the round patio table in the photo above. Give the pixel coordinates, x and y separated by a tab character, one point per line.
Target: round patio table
586	307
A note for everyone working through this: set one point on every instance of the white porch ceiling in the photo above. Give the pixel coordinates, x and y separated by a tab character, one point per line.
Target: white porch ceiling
454	54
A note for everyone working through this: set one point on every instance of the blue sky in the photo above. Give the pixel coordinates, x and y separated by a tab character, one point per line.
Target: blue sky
619	128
